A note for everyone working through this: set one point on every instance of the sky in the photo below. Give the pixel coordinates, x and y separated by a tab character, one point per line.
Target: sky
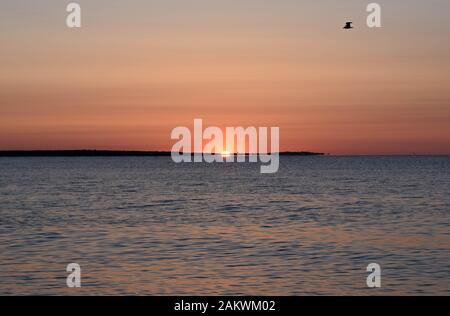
137	69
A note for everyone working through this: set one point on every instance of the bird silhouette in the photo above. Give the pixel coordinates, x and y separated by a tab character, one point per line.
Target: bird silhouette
348	25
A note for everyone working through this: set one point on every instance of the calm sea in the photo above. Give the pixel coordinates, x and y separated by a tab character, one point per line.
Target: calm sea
145	225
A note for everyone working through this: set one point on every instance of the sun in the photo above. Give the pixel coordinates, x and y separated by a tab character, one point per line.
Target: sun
225	153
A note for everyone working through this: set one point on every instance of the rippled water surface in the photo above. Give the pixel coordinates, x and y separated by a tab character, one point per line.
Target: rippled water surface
144	225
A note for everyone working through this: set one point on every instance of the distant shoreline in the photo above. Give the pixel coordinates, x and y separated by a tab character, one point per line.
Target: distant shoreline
113	153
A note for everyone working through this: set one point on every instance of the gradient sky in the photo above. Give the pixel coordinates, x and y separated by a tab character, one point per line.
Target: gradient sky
137	69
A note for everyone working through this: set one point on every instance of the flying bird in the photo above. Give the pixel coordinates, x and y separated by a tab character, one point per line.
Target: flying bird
348	25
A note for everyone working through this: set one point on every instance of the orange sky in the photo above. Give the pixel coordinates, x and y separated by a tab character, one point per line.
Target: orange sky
137	69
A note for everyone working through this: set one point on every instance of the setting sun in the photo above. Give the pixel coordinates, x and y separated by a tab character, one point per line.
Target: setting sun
225	153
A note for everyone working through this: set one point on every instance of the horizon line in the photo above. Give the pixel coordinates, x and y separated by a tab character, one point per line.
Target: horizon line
112	152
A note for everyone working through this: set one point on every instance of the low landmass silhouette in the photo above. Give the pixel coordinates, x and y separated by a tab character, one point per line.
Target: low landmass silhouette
112	153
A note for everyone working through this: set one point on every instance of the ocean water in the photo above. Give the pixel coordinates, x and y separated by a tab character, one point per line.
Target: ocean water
148	226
